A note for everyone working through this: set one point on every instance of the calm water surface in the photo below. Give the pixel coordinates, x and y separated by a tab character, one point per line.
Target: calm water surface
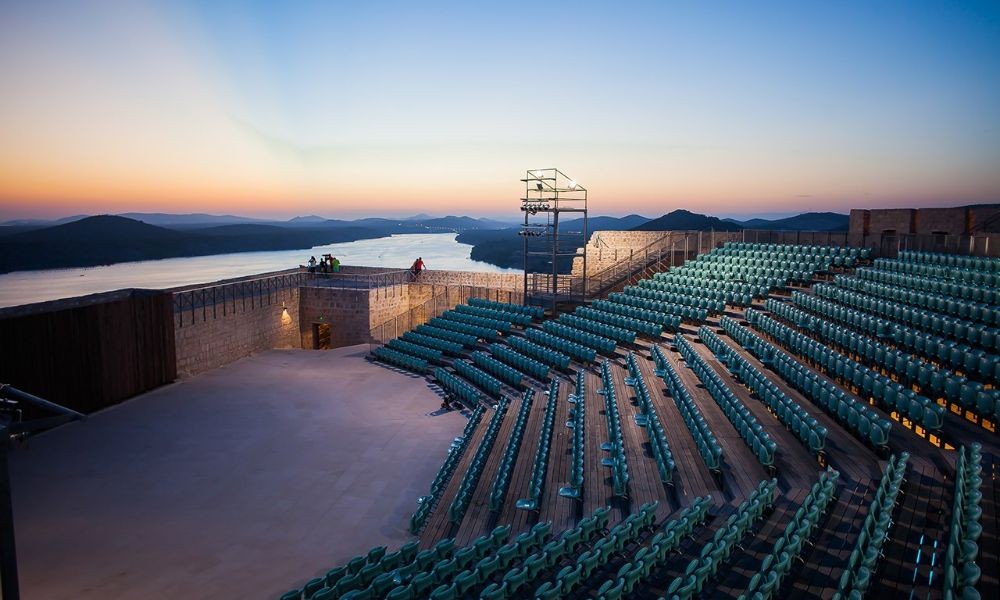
439	251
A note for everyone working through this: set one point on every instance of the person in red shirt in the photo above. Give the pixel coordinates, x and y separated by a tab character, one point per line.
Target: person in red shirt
418	266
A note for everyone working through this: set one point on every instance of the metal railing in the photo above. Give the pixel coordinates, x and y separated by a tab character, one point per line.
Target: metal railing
359	280
221	299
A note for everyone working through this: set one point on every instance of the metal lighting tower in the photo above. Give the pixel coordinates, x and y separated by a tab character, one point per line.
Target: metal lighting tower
548	193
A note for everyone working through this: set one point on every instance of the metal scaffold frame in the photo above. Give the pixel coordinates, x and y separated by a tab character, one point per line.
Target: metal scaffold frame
548	194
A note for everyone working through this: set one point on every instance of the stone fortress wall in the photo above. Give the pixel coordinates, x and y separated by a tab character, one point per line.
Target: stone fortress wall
219	332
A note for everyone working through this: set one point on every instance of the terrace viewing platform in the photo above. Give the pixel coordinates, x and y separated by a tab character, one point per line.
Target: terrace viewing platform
251	464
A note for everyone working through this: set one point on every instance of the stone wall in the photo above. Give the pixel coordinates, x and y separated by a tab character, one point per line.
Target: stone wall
607	248
214	335
345	310
217	335
500	281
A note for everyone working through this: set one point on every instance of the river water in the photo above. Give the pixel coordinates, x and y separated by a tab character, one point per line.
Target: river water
439	251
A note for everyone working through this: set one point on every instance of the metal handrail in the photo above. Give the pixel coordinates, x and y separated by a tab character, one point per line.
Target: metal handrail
359	280
255	292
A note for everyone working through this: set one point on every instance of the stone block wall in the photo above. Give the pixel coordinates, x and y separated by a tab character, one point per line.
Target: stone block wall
215	335
220	334
501	281
607	248
947	220
345	310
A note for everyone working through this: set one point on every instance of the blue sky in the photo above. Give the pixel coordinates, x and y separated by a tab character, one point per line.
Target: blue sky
353	108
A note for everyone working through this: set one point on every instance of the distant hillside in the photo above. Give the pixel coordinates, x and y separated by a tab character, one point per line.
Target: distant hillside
606	223
190	219
107	239
306	219
685	220
811	221
42	222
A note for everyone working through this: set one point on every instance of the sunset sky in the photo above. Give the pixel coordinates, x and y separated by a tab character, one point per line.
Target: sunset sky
346	109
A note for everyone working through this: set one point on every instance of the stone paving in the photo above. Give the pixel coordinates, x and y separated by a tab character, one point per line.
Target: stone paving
243	481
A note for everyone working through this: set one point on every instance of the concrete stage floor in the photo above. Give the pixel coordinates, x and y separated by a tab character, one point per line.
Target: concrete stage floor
241	482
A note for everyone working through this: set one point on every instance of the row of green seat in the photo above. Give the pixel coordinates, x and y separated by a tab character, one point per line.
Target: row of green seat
974	363
857	417
521	574
752	432
766	583
936	382
506	468
693	299
763	249
425	565
968	276
762	277
536	351
633	308
578	423
961	571
699	289
869	383
579	336
433	343
668	311
477	321
498	315
862	565
788	258
494	367
474	331
789	412
361	571
461	389
417	350
534	312
679	275
947	259
399	359
466	340
560	344
976	312
572	577
425	504
768	260
648	559
539	468
479	377
475	470
649	328
449	567
515	359
730	248
718	551
763	270
962	330
704	440
615	446
587	325
946	287
648	419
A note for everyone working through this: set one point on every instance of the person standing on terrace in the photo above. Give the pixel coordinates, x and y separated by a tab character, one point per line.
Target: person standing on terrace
418	266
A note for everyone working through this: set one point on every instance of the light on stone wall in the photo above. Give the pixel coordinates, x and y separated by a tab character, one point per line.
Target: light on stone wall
286	319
